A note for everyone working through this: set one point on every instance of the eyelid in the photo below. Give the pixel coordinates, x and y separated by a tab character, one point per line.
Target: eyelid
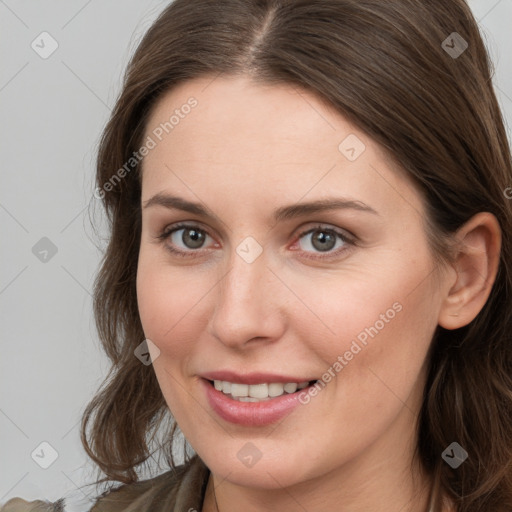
317	226
348	238
167	231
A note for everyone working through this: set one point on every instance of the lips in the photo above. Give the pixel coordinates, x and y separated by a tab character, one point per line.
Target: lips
250	414
254	378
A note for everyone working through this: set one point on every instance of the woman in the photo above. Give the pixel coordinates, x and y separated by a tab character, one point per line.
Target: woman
309	264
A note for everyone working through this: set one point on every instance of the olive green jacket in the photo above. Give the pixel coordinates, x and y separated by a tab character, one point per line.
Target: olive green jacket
178	490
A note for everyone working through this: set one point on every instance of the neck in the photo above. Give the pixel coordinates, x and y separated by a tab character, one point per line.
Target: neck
359	485
223	497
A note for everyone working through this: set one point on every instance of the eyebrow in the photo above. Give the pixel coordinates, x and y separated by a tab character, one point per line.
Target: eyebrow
280	214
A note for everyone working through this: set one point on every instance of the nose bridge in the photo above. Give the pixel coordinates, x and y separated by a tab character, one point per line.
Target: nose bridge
245	305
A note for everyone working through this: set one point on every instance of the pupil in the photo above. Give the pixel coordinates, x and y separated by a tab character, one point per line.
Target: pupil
324	239
195	236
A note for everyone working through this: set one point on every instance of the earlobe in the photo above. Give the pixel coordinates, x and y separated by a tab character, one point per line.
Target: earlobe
476	265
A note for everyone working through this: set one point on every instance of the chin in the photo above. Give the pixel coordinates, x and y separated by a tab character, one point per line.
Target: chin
241	462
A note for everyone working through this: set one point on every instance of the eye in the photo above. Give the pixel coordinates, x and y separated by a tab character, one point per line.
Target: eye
322	240
187	240
191	238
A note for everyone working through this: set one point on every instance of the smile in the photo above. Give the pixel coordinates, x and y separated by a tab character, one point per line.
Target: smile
253	411
258	392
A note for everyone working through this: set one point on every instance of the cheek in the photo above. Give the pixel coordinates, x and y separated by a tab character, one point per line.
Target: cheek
369	335
169	303
166	308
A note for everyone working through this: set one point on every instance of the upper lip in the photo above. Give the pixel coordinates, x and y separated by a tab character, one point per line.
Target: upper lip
252	378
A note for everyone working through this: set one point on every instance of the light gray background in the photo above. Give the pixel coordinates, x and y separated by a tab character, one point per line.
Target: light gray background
52	112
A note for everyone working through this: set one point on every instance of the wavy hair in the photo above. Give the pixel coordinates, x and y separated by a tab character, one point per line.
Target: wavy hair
386	67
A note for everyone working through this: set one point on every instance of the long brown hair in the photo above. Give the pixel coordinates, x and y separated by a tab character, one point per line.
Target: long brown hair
386	67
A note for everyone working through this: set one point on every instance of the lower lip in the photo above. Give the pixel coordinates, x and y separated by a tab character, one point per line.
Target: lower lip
251	413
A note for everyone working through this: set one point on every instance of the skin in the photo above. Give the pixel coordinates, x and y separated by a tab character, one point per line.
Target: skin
243	151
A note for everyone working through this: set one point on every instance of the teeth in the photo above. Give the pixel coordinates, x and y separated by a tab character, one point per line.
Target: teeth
275	389
239	389
257	392
290	387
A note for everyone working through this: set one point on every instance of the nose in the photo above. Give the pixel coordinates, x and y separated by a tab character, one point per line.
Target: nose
248	304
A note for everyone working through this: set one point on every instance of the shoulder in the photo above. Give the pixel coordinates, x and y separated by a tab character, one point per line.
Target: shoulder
180	488
21	505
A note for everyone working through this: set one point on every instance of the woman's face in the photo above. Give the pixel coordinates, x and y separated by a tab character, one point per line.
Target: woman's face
346	296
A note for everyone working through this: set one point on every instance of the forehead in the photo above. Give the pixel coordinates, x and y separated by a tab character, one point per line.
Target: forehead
248	113
227	134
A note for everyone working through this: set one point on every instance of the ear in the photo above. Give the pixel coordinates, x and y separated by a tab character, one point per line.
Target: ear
476	267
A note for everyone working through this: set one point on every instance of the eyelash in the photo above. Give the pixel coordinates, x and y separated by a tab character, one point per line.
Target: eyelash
168	231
